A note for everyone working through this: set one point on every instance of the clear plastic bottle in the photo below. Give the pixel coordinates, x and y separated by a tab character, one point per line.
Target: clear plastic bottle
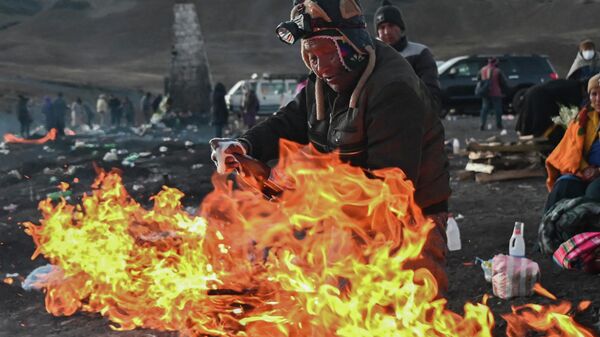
453	234
455	146
516	246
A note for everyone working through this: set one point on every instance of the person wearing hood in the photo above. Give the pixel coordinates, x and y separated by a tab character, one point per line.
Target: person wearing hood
363	100
586	64
391	29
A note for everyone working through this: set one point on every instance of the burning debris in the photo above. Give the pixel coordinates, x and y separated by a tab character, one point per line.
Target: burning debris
326	259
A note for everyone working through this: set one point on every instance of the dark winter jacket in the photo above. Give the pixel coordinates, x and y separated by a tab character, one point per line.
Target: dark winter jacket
422	61
23	111
219	107
566	219
393	126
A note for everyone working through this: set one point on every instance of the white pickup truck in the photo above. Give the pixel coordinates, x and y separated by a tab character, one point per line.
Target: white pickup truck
273	92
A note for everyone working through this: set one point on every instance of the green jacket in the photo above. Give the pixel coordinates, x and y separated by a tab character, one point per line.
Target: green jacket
393	126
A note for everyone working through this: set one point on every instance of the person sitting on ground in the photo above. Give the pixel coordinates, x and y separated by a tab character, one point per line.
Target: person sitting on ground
586	63
363	100
391	29
574	165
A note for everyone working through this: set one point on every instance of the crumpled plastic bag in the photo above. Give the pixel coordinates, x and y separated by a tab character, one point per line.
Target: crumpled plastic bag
514	276
42	277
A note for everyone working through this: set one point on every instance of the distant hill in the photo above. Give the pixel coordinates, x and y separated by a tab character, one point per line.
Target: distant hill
126	43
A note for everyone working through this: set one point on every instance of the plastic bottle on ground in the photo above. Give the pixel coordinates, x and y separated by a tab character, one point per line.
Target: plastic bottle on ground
453	234
516	245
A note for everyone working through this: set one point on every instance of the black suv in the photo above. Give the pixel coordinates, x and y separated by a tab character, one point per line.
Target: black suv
458	77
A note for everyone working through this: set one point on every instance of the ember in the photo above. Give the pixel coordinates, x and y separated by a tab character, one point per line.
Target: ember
10	138
327	259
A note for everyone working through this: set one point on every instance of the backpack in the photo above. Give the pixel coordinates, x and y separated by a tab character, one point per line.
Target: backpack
482	89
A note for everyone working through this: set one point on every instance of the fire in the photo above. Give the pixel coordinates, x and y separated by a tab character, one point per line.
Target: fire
326	259
10	138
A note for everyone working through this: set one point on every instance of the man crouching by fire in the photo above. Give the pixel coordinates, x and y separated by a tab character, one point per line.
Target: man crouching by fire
364	100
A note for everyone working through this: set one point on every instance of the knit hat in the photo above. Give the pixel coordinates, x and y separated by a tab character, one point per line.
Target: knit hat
594	82
389	13
342	22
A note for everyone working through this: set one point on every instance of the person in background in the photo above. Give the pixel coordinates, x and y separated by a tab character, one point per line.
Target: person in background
128	111
23	115
586	63
89	114
48	113
574	165
250	107
391	29
493	100
116	111
364	101
59	110
219	109
145	108
156	103
77	113
102	109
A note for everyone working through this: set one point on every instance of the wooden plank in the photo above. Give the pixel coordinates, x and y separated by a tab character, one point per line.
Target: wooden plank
478	167
519	147
510	175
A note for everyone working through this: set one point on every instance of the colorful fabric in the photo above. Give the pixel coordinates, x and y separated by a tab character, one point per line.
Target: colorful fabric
580	252
567	156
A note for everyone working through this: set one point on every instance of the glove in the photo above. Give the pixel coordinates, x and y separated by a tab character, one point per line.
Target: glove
222	154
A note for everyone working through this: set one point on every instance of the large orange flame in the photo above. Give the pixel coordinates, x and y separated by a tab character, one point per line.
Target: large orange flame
327	259
10	138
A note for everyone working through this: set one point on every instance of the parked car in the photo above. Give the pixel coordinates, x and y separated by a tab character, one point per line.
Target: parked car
273	91
458	77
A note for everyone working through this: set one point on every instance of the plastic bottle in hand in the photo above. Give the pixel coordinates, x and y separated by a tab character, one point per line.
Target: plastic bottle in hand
516	245
453	234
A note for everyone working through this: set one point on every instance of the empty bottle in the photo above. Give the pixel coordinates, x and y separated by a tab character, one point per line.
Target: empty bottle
455	146
453	234
516	245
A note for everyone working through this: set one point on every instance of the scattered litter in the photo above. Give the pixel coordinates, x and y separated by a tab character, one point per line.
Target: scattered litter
122	151
459	217
197	166
72	169
15	174
61	158
110	157
79	144
55	196
48	148
12	275
10	208
503	132
138	187
42	276
166	139
4	151
188	143
192	151
130	160
53	180
526	187
163	149
486	266
145	154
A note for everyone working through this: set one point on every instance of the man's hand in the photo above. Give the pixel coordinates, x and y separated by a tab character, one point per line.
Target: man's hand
222	154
